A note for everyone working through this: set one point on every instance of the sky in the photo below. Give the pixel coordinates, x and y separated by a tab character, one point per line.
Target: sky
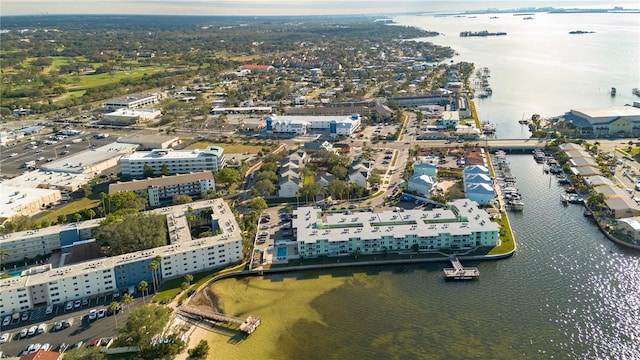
273	7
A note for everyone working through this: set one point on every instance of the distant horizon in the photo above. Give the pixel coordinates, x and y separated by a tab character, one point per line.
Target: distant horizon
278	7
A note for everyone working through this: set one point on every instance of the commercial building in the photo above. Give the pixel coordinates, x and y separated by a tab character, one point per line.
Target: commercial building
132	102
600	122
126	117
53	284
461	226
300	125
151	141
19	201
176	161
162	190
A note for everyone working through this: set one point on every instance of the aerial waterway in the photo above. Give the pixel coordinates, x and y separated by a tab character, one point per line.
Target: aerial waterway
568	293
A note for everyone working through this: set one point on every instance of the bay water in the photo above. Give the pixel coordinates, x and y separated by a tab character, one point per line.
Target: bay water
568	292
538	67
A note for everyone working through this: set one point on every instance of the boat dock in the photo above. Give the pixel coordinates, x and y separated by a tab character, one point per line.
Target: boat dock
248	325
459	272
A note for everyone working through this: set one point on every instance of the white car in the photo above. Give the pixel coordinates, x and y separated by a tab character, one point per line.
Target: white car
32	330
69	306
6	321
13	154
93	314
45	347
4	338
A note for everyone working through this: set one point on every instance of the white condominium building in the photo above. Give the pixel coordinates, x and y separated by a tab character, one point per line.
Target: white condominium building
177	161
461	226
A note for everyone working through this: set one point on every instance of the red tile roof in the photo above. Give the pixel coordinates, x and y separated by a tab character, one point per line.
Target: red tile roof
41	355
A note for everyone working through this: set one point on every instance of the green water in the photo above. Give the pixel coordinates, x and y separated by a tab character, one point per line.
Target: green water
568	293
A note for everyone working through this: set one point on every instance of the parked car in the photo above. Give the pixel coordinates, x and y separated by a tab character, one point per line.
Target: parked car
77	303
77	345
4	338
6	321
32	330
23	333
101	313
67	323
69	306
42	328
45	347
49	310
85	302
93	314
58	326
25	316
61	348
116	294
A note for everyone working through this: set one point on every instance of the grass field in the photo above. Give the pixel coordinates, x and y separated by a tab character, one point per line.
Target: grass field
71	208
89	81
228	148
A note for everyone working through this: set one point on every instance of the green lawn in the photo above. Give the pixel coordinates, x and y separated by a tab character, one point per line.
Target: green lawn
88	81
228	148
70	208
507	242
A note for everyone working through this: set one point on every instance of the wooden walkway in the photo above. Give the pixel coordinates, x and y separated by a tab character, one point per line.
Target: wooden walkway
459	272
248	325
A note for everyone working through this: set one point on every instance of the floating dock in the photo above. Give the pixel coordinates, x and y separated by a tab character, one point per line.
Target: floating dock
459	272
247	325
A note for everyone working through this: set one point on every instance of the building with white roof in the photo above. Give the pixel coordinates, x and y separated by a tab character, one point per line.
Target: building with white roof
50	284
132	102
462	226
126	116
19	201
163	189
177	161
421	184
630	227
300	125
91	161
614	120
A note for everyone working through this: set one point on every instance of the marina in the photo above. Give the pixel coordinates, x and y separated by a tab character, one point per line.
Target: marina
511	199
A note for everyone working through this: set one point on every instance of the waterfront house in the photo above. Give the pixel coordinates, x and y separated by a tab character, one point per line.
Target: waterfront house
482	193
630	227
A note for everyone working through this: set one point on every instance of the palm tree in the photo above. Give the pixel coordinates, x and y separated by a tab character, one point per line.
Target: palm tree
113	308
3	253
127	299
143	286
153	266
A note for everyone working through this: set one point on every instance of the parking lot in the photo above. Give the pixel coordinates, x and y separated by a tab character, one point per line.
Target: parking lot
35	149
274	231
82	329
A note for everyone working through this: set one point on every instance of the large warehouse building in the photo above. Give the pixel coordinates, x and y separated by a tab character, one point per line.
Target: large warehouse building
601	122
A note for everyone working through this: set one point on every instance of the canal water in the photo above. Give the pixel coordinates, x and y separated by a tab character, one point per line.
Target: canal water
568	293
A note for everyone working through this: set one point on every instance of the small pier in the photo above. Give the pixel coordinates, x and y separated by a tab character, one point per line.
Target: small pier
248	325
459	272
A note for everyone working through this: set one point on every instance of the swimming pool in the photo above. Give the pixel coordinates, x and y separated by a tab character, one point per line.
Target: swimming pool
281	252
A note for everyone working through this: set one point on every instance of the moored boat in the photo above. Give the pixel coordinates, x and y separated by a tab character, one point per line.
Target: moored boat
613	91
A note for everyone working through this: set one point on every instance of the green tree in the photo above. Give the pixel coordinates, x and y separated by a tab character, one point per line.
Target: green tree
143	286
228	176
165	170
143	324
188	278
182	199
3	253
76	217
61	219
127	299
153	267
86	188
124	236
85	353
257	204
114	308
200	351
147	171
263	188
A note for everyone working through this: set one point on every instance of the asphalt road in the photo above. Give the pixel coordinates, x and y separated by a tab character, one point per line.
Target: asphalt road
81	330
